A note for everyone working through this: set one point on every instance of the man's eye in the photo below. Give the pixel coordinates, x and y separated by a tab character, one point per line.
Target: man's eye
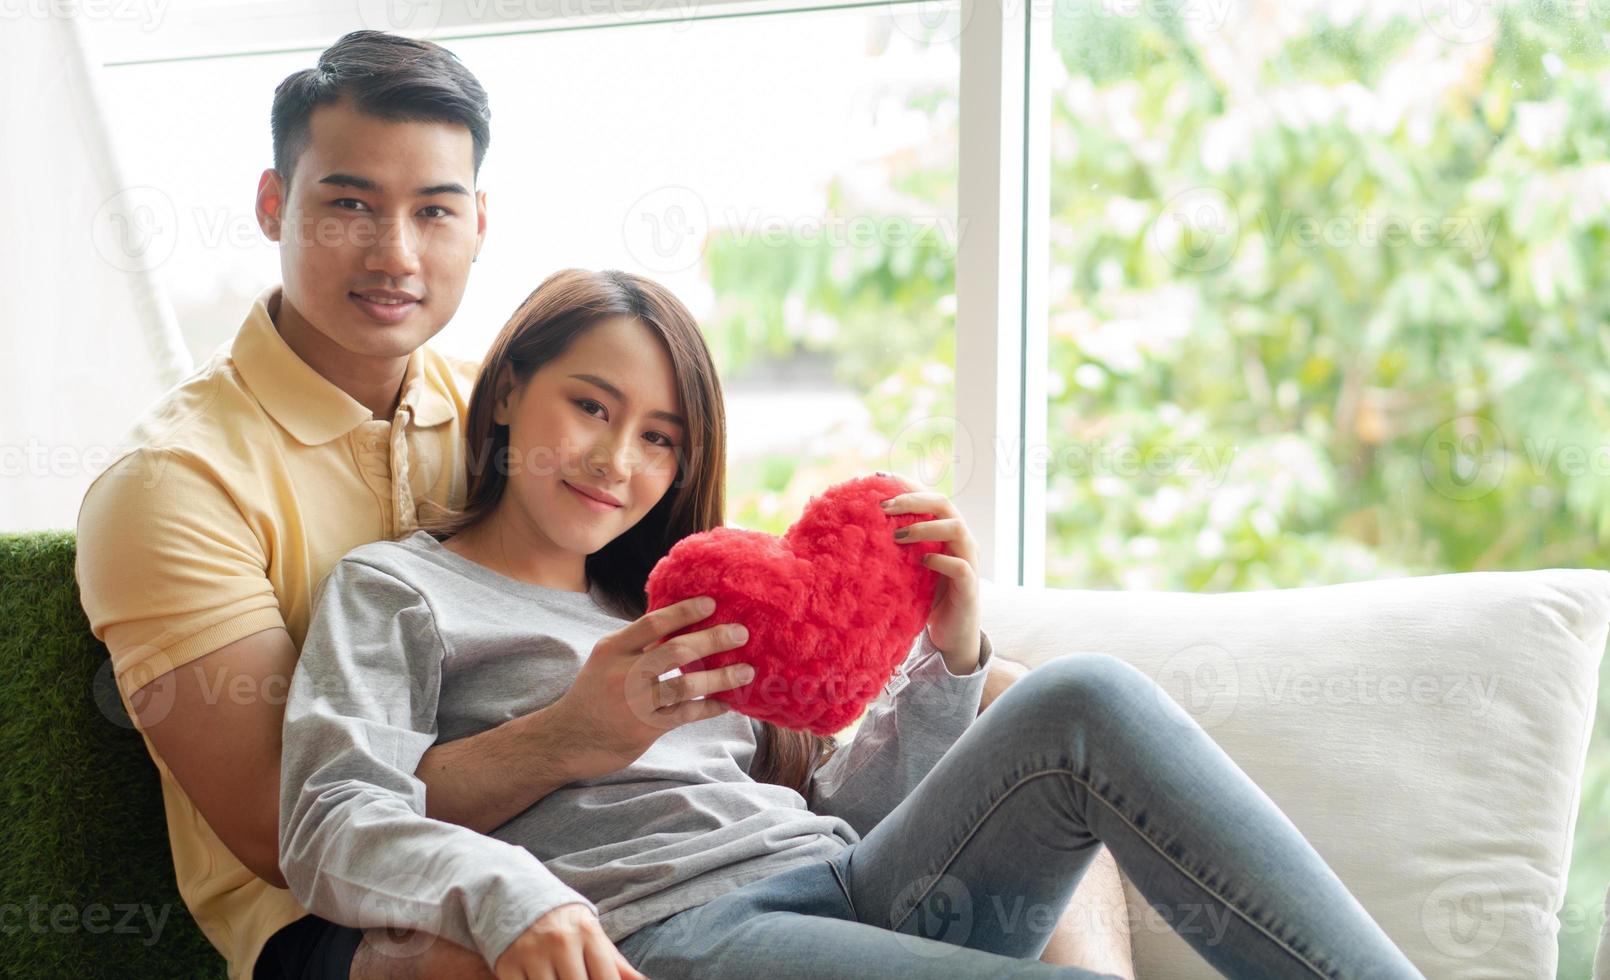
344	201
444	213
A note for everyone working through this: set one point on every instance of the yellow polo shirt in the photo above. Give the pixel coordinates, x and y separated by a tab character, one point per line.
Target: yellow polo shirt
236	493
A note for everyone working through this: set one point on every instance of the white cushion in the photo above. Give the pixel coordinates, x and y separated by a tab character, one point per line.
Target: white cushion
1426	734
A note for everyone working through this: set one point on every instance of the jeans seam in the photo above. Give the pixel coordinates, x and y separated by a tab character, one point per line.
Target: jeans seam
1138	832
843	887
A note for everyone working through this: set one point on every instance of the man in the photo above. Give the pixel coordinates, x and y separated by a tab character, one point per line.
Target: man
327	424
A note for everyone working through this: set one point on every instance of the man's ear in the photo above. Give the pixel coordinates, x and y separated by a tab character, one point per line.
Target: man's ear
270	204
503	395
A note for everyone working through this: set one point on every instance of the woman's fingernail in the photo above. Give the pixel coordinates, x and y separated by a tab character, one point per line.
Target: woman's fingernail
746	674
886	504
901	533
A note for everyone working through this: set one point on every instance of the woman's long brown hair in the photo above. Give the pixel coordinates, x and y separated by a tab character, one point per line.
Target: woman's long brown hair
566	304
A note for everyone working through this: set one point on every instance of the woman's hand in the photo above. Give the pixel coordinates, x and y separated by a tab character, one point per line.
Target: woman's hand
567	943
618	706
953	623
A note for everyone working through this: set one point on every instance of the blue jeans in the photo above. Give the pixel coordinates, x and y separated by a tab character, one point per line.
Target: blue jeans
968	876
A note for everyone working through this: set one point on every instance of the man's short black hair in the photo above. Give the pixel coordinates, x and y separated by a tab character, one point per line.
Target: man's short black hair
387	76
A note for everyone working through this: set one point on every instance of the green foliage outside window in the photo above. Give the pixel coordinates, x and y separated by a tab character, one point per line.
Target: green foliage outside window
1328	302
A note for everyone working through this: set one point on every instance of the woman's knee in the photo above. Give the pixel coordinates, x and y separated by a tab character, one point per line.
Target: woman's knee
1089	685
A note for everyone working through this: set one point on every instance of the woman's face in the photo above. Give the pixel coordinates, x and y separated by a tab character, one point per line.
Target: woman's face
603	420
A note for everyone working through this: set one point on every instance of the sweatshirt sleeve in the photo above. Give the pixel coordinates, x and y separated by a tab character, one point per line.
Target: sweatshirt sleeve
922	711
355	844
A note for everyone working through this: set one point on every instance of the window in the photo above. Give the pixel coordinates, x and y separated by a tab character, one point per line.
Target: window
810	225
1327	294
1249	294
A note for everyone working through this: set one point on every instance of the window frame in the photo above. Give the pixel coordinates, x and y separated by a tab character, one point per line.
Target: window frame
1003	198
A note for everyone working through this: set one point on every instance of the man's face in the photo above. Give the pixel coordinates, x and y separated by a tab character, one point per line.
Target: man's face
378	230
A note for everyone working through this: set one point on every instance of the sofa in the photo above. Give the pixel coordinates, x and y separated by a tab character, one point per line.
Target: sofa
1426	734
86	880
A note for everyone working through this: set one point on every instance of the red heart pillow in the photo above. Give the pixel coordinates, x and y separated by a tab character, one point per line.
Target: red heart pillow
832	606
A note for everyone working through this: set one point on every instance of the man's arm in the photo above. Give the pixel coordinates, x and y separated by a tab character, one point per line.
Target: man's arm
485	780
216	723
173	579
1093	932
353	831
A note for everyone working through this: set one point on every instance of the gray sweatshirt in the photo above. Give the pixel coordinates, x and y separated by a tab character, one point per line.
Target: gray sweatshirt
412	645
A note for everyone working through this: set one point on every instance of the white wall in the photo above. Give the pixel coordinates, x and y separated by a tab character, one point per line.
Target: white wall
88	340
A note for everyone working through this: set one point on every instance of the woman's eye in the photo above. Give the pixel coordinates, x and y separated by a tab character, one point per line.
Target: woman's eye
584	402
667	443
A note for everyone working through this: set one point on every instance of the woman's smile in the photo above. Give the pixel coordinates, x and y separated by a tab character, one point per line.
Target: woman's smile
593	503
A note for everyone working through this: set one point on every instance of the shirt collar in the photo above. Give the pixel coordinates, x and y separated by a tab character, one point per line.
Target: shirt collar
304	402
424	399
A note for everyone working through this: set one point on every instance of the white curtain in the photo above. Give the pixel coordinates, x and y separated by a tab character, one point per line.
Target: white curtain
87	338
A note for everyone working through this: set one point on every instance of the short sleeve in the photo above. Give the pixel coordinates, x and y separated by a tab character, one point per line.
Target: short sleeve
168	567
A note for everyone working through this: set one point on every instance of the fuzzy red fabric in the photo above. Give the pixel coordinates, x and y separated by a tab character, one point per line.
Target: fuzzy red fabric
832	607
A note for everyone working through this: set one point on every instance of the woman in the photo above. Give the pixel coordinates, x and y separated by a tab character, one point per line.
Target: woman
679	839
